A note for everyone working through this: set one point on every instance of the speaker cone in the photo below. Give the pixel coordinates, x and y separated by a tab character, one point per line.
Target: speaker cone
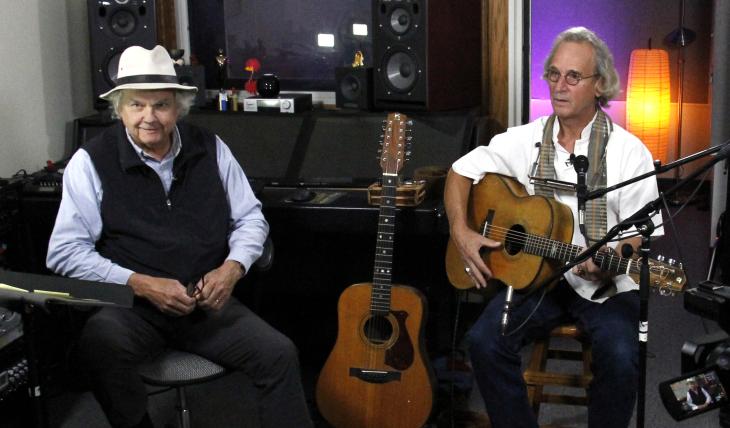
350	87
122	23
401	72
400	21
112	67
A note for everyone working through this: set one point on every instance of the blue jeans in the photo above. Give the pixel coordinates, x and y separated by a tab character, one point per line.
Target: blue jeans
612	328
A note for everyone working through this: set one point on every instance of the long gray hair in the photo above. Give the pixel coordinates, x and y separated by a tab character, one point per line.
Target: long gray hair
608	82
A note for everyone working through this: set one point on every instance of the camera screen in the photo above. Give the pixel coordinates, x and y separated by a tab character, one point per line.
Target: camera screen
700	392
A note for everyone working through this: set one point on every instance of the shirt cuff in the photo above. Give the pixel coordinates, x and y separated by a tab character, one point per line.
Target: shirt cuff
119	275
245	260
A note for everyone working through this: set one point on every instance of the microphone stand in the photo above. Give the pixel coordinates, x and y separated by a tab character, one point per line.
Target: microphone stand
642	220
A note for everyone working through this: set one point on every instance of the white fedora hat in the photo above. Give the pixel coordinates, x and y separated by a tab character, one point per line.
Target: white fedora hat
141	68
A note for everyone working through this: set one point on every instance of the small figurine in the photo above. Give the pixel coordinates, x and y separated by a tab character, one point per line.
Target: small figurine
253	65
358	62
221	60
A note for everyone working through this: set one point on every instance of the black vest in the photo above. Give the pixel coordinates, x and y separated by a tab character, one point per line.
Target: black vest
698	397
181	235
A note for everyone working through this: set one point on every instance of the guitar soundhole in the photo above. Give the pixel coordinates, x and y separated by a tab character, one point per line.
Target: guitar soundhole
515	240
378	329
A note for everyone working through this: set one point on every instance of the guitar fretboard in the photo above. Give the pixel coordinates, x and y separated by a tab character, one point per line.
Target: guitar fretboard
537	245
382	272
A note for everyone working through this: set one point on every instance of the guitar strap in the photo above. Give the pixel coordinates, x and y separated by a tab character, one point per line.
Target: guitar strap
596	222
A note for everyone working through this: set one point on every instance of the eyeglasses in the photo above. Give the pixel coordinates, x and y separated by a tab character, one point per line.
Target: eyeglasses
572	78
193	290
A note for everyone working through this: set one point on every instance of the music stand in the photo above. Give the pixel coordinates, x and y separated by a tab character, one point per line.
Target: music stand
23	292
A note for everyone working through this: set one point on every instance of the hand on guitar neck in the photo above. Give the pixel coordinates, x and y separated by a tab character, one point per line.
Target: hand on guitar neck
590	271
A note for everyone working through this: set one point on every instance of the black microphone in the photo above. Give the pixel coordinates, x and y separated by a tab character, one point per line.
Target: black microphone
580	164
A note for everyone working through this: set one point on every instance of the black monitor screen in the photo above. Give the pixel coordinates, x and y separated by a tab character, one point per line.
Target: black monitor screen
345	152
262	144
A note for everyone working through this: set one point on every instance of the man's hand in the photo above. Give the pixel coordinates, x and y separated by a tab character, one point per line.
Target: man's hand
470	244
591	272
168	295
217	285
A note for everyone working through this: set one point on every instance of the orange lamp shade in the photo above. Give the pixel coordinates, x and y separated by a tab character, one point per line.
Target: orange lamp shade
647	100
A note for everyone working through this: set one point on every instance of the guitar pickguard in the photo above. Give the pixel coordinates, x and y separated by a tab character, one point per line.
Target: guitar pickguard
400	355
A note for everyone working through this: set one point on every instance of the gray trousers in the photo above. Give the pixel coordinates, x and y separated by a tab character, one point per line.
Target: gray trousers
115	341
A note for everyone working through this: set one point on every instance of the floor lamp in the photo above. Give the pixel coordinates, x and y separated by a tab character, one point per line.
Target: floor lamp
680	38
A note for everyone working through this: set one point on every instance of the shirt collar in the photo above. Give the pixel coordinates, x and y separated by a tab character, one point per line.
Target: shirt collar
174	151
585	134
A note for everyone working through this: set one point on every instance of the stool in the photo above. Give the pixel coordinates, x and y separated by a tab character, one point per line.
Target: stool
178	369
536	377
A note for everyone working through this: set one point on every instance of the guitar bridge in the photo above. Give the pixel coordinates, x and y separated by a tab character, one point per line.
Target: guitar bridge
375	376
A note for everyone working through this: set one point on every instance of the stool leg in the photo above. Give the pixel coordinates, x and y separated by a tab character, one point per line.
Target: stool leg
184	412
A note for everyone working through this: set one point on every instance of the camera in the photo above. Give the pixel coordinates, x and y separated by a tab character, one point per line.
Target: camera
693	393
705	381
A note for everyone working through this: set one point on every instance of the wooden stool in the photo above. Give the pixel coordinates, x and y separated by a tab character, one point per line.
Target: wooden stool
536	377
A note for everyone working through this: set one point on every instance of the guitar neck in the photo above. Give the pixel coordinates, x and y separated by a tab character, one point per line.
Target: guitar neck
605	259
382	272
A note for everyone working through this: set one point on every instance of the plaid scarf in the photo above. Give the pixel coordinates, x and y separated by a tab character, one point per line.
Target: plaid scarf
596	223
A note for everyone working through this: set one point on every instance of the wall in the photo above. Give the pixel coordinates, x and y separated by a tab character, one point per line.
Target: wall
45	82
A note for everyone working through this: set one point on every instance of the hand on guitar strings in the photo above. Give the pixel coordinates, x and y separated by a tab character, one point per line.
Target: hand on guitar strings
471	245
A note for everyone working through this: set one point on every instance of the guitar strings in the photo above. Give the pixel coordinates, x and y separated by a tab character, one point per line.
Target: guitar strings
542	245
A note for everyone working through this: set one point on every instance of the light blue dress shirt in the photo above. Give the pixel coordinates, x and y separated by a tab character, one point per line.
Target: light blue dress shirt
71	249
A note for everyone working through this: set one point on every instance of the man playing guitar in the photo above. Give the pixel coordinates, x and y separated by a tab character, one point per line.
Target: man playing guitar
582	78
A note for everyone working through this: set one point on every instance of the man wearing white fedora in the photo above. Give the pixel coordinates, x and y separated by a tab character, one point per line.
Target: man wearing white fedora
158	205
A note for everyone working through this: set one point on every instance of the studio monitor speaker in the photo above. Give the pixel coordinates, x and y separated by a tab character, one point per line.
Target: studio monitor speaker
354	87
115	25
427	54
193	75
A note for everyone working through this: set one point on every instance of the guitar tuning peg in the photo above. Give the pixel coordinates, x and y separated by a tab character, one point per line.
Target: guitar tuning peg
408	153
660	258
409	122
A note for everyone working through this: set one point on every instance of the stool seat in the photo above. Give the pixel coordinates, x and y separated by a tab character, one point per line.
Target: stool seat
537	376
175	368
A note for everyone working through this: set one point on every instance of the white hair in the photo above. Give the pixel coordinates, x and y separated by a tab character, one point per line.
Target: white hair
183	99
608	82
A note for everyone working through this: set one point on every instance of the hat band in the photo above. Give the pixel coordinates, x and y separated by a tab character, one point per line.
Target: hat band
147	78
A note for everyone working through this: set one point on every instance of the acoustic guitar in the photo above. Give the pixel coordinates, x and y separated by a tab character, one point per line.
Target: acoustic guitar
377	374
535	233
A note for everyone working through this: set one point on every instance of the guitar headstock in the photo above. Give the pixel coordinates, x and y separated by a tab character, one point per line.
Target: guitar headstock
666	276
396	143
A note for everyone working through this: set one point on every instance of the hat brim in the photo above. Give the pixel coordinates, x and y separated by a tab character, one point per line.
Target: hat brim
147	86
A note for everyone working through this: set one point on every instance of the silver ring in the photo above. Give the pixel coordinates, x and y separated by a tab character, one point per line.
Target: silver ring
217	301
467	270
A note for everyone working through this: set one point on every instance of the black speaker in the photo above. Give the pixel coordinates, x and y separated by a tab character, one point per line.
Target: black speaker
354	87
193	75
115	25
427	54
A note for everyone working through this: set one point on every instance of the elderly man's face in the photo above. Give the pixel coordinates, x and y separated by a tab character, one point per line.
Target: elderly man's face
149	117
574	102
